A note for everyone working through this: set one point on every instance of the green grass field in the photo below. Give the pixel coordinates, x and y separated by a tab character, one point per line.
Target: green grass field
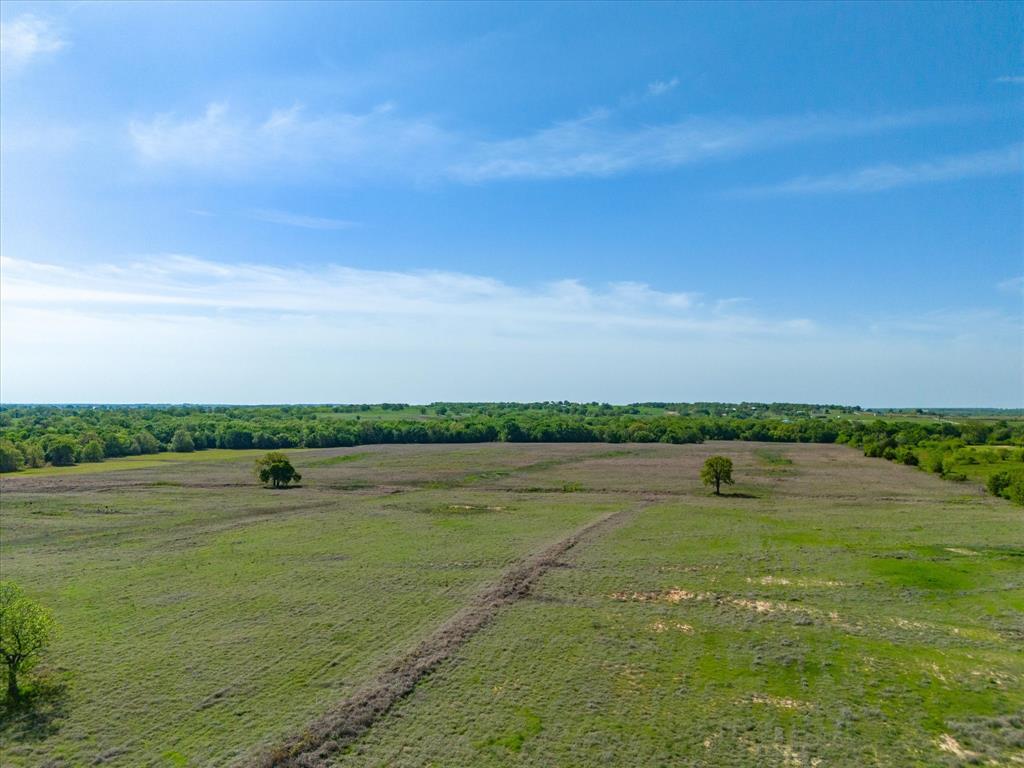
147	461
830	609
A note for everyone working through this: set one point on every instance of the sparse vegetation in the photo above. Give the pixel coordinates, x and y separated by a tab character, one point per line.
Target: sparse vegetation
771	623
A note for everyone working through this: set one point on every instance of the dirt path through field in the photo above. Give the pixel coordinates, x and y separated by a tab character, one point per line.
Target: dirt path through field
350	718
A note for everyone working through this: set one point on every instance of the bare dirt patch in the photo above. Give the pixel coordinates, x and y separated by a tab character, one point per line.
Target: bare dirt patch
911	625
665	626
761	606
783	581
948	744
779	702
675	595
668	596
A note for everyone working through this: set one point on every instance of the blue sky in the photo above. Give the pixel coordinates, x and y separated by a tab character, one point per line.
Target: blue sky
364	202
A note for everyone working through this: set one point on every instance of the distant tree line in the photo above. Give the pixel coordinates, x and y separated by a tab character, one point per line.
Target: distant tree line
34	435
31	436
948	449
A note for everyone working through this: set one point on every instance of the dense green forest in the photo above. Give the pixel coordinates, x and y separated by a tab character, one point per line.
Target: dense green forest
963	448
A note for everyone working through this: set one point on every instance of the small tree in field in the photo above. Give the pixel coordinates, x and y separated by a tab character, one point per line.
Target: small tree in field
25	630
998	482
274	468
717	470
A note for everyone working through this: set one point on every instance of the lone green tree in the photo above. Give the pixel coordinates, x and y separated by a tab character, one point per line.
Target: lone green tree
25	630
717	470
274	468
998	482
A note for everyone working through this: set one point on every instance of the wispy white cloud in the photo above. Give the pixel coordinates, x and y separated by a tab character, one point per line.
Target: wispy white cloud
1012	285
998	162
180	283
965	324
1011	79
598	145
24	38
186	329
659	87
383	143
303	221
221	142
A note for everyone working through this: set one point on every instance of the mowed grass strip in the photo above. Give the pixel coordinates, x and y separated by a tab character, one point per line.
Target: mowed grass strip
203	618
848	613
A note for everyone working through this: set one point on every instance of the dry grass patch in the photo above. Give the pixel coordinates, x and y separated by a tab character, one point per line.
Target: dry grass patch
665	626
779	702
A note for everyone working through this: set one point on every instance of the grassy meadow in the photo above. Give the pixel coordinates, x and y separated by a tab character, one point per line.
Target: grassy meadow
828	609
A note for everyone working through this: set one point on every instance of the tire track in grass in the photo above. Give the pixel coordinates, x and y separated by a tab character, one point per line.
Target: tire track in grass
350	718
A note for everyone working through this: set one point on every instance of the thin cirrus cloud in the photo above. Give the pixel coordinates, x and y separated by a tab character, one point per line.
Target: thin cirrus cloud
25	38
659	87
597	145
878	178
386	144
187	286
223	143
178	285
180	327
302	221
1012	285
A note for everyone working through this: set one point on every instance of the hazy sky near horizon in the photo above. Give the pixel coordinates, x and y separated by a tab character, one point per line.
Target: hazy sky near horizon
321	202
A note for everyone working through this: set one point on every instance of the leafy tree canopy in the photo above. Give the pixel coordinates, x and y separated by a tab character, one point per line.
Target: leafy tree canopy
61	452
274	468
11	458
92	451
182	441
717	470
25	630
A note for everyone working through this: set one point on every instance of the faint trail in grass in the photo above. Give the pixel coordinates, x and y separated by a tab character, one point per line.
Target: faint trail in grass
476	478
349	719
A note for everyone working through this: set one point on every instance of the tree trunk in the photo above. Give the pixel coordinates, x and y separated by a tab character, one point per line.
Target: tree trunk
718	486
13	694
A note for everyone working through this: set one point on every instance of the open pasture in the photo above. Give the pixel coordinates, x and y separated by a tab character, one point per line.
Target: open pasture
828	609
